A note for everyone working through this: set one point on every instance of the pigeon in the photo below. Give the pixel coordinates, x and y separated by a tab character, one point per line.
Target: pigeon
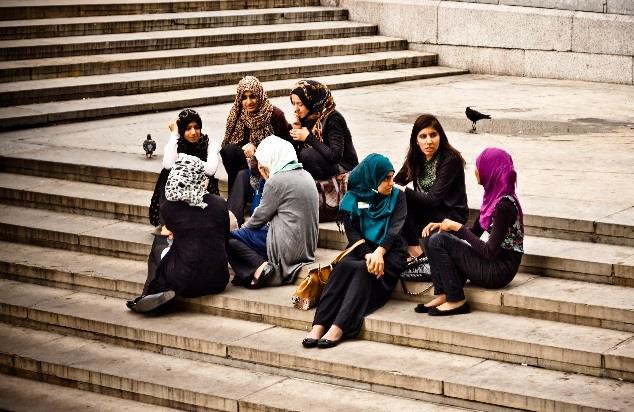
149	146
474	116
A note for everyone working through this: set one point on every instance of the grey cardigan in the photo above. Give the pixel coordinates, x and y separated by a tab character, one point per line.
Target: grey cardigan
290	203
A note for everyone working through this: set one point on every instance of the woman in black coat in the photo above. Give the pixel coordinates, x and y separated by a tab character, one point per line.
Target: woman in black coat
326	147
198	223
435	170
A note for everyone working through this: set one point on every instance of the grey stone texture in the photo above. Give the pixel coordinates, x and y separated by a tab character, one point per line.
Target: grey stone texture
564	39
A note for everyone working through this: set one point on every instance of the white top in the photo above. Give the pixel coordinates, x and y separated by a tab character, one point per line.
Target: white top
170	154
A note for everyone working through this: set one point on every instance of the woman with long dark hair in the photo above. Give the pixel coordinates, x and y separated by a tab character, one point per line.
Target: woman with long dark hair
435	170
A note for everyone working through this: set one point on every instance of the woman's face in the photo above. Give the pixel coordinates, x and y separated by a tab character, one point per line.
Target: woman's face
477	175
192	132
300	110
249	101
428	140
385	187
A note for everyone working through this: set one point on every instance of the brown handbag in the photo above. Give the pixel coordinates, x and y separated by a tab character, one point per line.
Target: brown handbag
309	290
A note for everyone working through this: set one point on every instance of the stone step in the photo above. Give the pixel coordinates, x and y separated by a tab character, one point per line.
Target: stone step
18	394
97	25
74	110
89	199
600	263
527	295
56	67
153	81
175	382
45	9
408	372
179	39
491	336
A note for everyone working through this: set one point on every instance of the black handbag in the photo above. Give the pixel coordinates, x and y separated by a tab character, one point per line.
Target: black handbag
417	270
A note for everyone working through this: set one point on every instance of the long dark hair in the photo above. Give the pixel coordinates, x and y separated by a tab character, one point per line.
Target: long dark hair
415	159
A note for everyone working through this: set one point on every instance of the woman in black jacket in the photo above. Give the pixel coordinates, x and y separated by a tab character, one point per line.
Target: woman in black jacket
326	143
436	171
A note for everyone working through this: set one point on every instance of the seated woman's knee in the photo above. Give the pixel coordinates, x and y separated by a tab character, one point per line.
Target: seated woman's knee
439	239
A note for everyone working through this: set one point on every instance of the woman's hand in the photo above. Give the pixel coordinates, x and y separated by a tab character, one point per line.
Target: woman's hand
173	126
299	135
447	225
249	150
430	228
374	262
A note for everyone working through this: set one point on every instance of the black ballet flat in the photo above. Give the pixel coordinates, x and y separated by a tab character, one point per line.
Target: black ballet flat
310	343
460	310
327	343
421	308
265	275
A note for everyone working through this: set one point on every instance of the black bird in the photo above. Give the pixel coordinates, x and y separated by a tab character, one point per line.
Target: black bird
149	146
474	116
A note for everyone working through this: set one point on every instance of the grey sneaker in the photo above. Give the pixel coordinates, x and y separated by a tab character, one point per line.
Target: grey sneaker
150	302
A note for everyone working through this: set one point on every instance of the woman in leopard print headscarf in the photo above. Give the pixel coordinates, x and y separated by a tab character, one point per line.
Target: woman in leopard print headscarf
251	118
322	133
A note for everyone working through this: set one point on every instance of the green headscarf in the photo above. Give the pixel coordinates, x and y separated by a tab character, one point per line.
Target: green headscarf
362	187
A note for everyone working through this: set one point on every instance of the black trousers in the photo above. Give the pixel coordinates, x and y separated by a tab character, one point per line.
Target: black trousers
317	165
352	292
233	159
158	245
240	194
453	262
243	260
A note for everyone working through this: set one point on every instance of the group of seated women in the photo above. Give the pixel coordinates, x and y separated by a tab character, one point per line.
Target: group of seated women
416	214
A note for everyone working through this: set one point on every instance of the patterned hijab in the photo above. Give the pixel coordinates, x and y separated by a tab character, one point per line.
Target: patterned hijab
498	177
277	154
258	122
362	187
185	181
319	102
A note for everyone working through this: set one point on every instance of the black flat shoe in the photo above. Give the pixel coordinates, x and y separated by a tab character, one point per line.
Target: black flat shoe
310	343
265	275
150	302
327	343
460	310
421	308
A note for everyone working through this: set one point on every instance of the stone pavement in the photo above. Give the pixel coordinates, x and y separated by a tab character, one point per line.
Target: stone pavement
572	142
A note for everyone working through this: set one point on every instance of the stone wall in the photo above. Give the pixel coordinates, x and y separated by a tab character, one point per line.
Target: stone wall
503	37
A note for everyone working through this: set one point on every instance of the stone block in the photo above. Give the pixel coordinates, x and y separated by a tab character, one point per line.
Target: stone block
621	6
507	62
414	20
603	33
579	5
481	25
578	66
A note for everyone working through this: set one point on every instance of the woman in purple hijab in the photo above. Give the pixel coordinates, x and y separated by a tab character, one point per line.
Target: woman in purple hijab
491	264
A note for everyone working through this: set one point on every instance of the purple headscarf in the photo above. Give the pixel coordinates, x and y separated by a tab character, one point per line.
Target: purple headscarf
498	177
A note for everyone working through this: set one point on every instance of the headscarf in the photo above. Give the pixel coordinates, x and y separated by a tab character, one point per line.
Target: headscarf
277	154
498	177
319	102
258	122
362	187
185	181
198	149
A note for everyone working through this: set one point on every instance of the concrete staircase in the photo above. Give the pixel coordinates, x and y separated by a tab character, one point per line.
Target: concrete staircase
74	239
62	62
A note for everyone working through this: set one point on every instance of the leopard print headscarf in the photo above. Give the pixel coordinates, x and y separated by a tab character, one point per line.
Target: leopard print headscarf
319	102
258	122
185	181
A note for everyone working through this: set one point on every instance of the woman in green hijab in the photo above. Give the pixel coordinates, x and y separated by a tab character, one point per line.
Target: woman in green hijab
363	281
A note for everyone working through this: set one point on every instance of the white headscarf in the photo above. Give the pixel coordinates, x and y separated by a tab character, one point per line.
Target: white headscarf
185	181
277	155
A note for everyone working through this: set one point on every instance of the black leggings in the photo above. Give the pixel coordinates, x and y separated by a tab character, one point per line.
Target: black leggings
318	166
233	159
453	261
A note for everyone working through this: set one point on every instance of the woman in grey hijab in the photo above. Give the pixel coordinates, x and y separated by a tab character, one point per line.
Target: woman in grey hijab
198	222
281	235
